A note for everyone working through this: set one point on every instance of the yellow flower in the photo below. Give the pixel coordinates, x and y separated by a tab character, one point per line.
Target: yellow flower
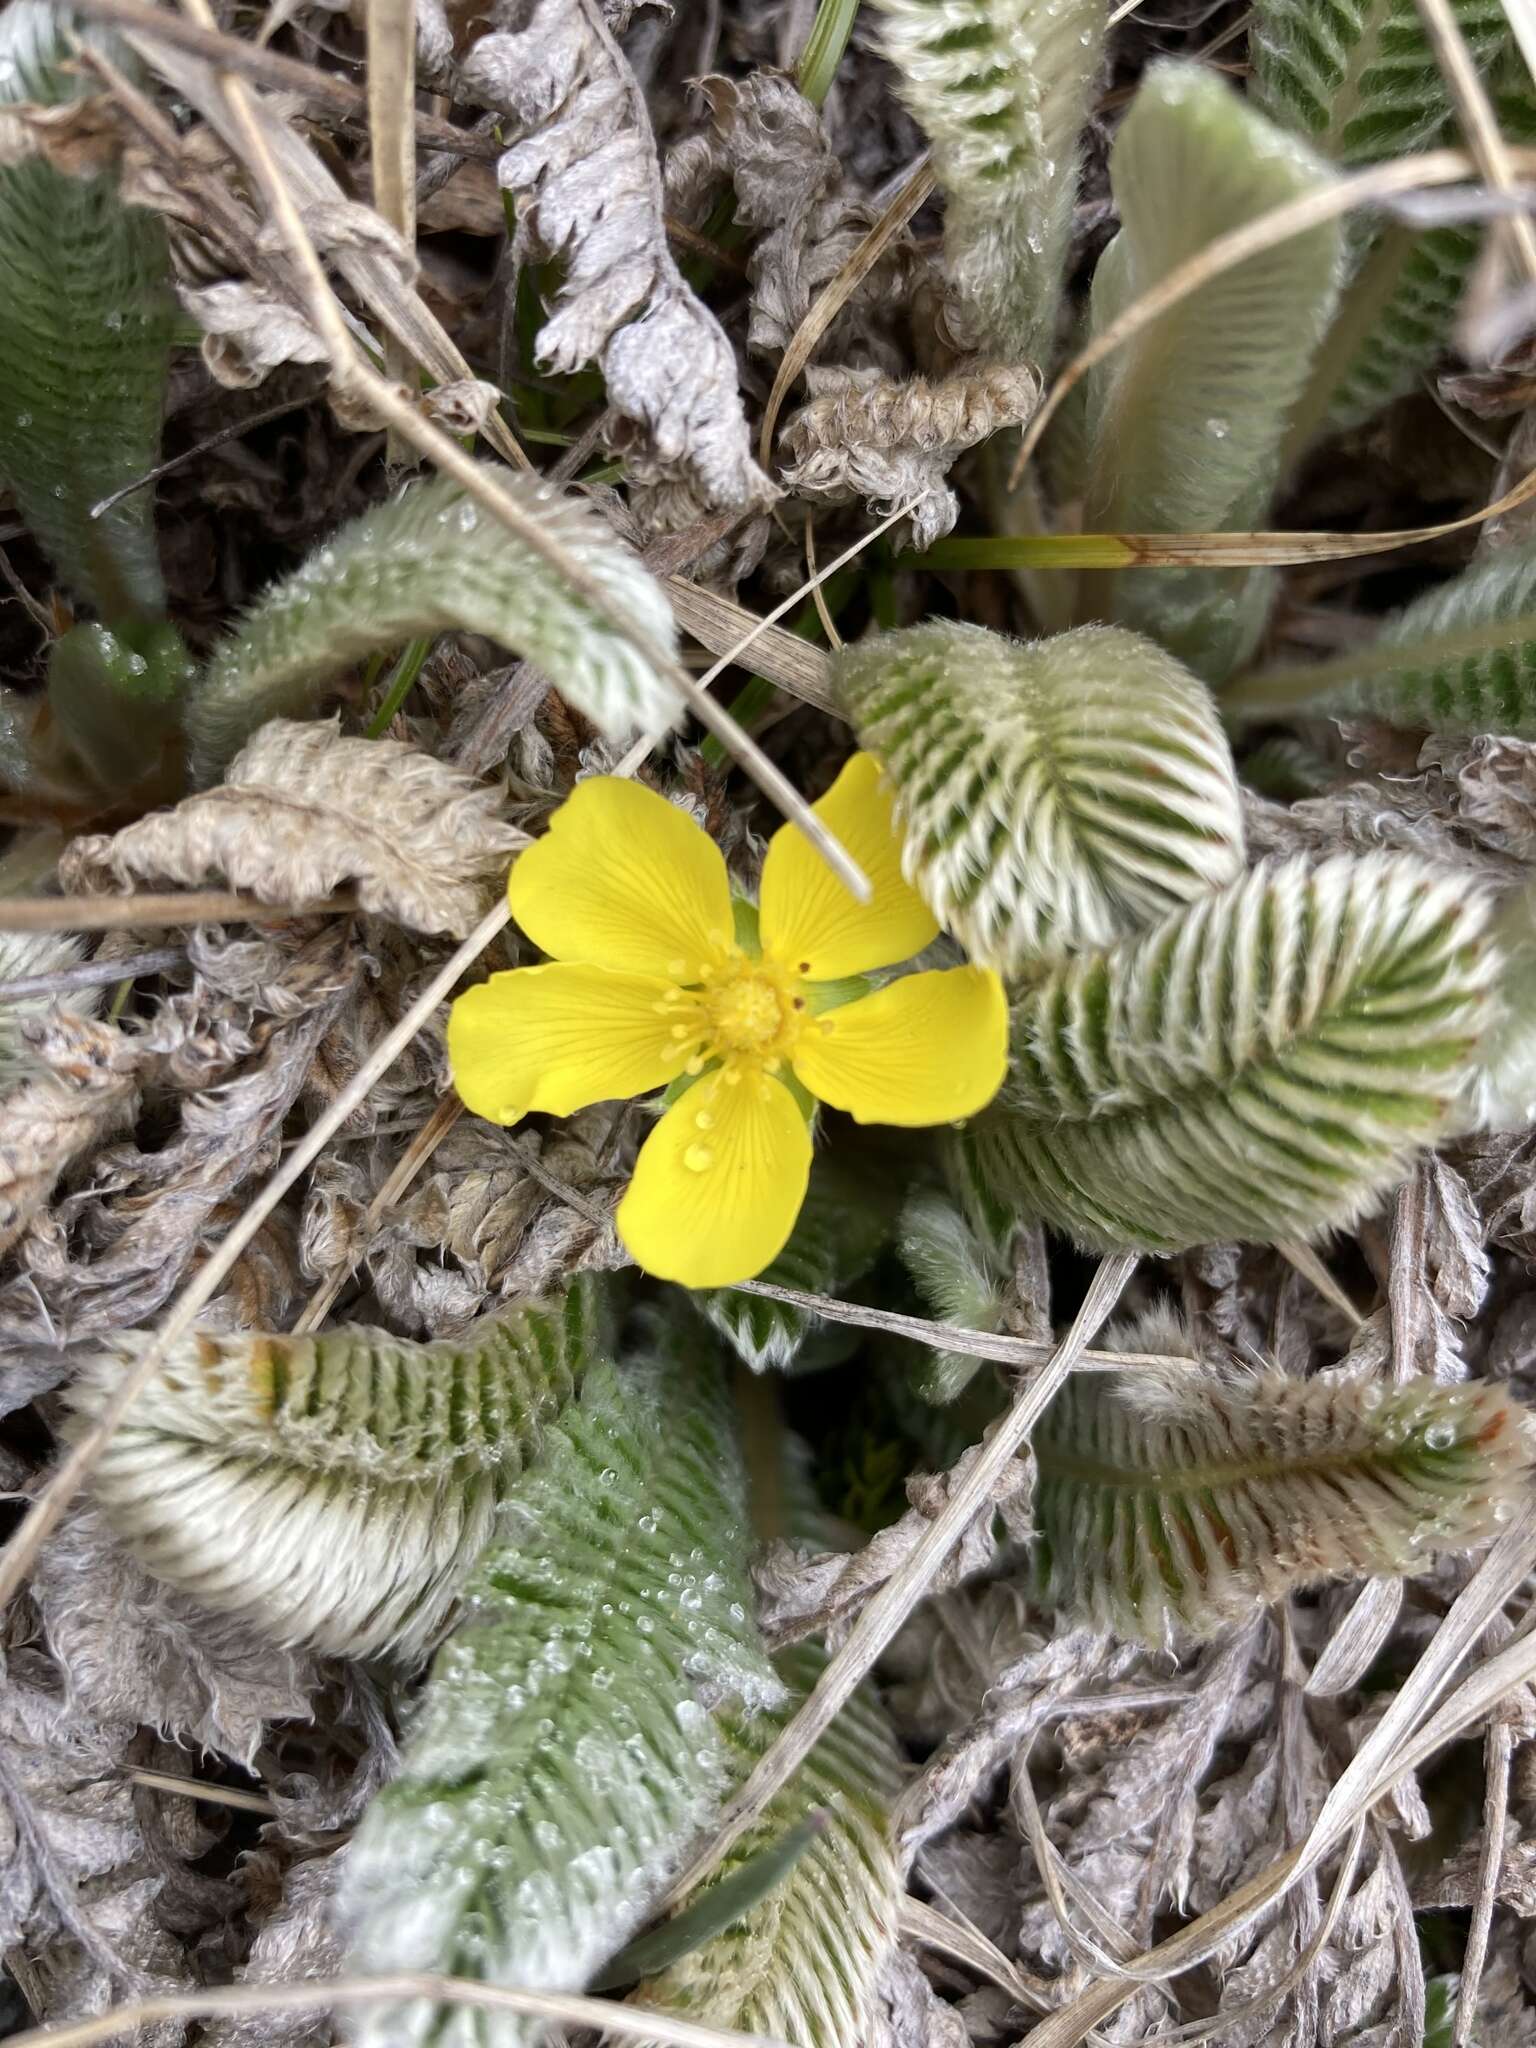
650	985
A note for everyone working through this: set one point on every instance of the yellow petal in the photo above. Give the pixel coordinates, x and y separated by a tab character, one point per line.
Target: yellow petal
557	1038
927	1049
718	1183
623	879
807	916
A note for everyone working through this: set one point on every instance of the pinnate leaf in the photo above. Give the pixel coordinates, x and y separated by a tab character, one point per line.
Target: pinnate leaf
1259	1065
85	335
431	561
801	1966
336	1489
1053	794
562	1758
1359	81
1460	659
304	811
1186	421
1001	87
1358	78
1181	1501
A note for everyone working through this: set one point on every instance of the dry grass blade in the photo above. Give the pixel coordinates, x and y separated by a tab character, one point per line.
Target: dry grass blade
352	373
1018	1351
392	130
287	74
211	1795
1371	187
1478	123
628	2023
1311	1268
807	335
43	1515
720	624
125	913
896	1599
1498	1748
91	974
1406	1735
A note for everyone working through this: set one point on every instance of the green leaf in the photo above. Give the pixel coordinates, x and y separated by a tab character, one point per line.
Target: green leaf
1053	794
720	1907
801	1966
561	1760
337	1489
1360	82
1261	1065
1001	88
85	335
840	1232
1358	77
1186	422
1164	1501
961	1274
427	562
1461	659
116	698
1394	324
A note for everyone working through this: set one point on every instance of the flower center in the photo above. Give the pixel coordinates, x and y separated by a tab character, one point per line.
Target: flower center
744	1012
747	1014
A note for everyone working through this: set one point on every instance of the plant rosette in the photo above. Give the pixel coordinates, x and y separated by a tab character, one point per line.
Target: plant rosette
746	1018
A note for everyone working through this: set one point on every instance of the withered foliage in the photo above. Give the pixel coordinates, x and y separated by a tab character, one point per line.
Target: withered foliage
615	250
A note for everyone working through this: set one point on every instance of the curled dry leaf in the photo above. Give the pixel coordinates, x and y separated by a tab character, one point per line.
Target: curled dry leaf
248	331
588	194
87	1087
890	440
792	189
305	811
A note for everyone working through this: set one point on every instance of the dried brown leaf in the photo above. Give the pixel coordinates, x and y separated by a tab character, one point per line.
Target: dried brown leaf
589	195
892	440
88	1086
135	1651
304	811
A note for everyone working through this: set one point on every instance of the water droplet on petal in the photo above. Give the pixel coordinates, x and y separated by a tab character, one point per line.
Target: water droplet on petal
698	1159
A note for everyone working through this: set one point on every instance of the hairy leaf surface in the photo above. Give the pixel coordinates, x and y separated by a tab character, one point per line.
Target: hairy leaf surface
1358	79
1260	1065
1460	659
337	1489
1001	88
1183	1501
429	562
563	1758
1186	421
1053	794
801	1965
85	335
961	1274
